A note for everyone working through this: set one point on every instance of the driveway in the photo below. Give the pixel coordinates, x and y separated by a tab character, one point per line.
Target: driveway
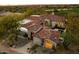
8	50
24	49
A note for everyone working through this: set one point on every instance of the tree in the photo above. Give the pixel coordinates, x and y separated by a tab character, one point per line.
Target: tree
73	27
8	27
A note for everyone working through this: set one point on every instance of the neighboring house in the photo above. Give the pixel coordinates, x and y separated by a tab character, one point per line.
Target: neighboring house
6	13
9	13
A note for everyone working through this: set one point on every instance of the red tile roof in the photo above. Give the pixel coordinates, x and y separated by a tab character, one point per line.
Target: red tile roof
33	27
56	18
47	33
28	24
34	18
55	36
44	33
53	17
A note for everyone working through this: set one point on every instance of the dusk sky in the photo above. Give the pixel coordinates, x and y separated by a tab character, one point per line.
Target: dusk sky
28	2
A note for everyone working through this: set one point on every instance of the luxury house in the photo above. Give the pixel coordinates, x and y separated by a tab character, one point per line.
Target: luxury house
44	30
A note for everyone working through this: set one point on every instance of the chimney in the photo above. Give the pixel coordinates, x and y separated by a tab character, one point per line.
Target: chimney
53	13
